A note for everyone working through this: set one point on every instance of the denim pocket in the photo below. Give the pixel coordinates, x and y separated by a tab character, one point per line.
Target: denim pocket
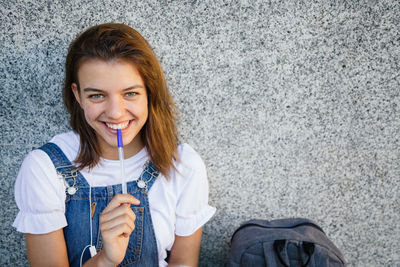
134	249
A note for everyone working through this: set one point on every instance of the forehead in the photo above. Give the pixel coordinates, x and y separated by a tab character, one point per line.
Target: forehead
114	74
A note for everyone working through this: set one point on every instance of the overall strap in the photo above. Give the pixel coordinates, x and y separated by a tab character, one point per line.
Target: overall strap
63	166
148	176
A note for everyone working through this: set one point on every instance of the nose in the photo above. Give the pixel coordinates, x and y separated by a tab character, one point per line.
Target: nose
115	108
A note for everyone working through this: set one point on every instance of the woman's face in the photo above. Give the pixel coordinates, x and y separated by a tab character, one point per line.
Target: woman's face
113	95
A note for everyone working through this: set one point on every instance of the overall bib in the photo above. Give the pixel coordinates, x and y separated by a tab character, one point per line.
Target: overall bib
142	247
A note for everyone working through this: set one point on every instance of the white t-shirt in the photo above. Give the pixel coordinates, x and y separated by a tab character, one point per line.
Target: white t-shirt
178	205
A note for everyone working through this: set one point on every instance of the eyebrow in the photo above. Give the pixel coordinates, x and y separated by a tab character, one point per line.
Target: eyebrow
90	89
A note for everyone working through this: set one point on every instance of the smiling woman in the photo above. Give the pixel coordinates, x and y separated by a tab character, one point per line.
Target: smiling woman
121	103
69	191
118	42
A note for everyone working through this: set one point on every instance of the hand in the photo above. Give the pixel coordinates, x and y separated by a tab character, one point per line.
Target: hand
117	221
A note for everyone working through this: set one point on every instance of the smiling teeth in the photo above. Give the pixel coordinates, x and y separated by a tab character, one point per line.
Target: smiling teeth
117	126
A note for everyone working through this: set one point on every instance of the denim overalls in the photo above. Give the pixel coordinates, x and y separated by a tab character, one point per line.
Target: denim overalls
142	248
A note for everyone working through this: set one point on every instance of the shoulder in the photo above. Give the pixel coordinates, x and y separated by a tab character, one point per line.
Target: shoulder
36	167
190	170
69	143
65	137
188	159
38	174
34	159
185	150
37	162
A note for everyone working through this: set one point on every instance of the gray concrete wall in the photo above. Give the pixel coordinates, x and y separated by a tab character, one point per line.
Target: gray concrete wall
293	105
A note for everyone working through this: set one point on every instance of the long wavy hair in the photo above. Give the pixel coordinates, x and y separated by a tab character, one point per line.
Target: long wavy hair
113	41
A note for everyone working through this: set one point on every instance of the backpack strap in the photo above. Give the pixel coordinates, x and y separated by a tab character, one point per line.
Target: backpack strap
281	223
284	249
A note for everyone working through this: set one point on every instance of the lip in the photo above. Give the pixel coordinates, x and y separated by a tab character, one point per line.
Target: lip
112	131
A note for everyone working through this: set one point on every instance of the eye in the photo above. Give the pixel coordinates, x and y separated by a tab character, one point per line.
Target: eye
96	96
131	94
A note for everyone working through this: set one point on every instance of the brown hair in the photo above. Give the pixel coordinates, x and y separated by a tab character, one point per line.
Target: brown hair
118	41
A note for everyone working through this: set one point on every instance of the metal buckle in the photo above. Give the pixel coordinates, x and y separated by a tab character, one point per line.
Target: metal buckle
141	183
72	173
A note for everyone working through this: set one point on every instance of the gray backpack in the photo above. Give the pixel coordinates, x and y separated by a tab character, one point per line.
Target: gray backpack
285	242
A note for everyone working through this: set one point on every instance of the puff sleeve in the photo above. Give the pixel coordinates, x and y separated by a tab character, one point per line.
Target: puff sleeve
192	210
40	196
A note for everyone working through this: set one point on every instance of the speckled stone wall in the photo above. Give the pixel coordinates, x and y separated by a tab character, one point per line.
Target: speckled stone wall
293	105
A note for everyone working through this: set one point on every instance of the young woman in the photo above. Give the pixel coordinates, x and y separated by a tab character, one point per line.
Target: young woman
69	191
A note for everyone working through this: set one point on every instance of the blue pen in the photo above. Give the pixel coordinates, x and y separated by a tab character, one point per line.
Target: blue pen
121	160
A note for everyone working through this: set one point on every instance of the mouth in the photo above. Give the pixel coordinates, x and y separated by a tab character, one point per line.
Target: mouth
115	126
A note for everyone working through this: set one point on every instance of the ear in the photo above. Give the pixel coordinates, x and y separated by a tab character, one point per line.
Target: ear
75	90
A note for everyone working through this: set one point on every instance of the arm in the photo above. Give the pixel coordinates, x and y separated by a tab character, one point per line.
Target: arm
185	250
52	245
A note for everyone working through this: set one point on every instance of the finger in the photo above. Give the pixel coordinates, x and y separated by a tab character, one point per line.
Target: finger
123	210
121	199
121	219
124	230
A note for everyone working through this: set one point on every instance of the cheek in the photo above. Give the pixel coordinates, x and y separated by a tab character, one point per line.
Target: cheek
145	112
88	118
90	113
141	110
